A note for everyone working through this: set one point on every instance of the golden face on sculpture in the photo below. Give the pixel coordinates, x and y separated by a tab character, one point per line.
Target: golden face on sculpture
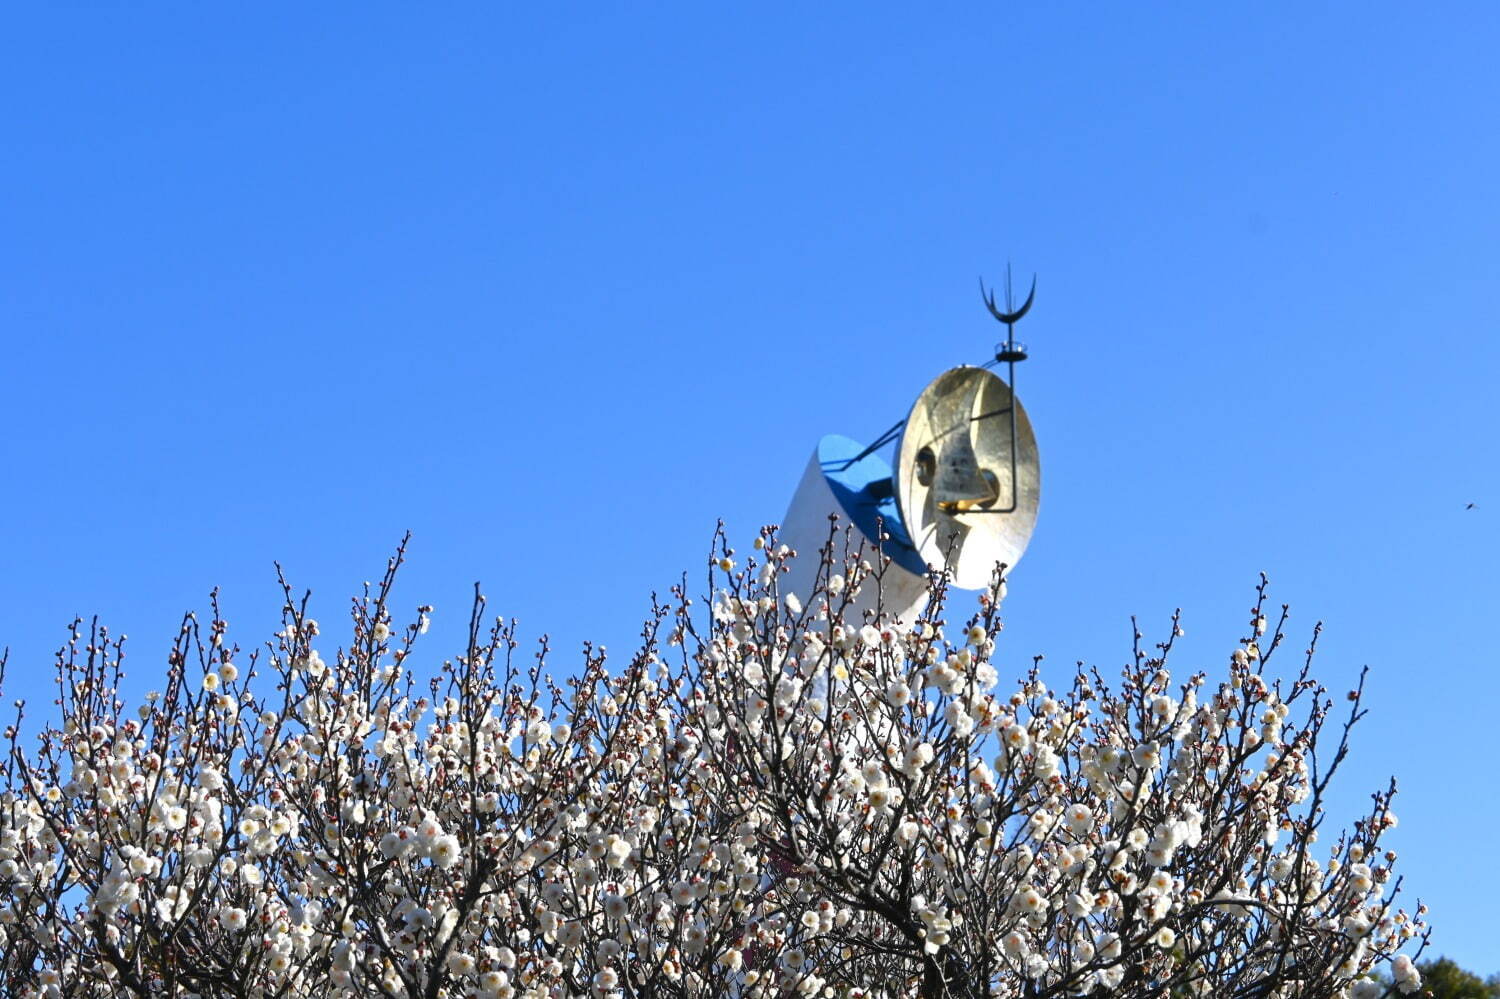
967	475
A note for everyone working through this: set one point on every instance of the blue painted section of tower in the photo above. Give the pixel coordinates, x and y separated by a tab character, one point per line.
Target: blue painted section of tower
867	498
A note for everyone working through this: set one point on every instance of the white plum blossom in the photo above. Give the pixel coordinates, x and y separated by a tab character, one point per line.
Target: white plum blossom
445	851
761	801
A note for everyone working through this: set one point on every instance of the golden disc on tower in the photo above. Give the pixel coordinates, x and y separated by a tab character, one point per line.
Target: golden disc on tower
967	475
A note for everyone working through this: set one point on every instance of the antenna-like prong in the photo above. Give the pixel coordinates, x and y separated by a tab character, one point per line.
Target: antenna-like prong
988	298
1007	317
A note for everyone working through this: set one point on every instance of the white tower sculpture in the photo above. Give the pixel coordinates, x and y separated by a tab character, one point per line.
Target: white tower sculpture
962	497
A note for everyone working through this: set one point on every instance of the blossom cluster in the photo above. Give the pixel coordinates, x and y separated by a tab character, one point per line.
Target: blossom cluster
778	794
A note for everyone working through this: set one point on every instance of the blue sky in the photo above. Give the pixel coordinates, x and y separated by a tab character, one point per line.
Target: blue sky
555	289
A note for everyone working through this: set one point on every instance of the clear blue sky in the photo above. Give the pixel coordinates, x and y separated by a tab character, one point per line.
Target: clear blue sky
557	289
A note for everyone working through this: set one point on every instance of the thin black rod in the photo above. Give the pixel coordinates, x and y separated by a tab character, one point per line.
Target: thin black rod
1015	485
880	442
